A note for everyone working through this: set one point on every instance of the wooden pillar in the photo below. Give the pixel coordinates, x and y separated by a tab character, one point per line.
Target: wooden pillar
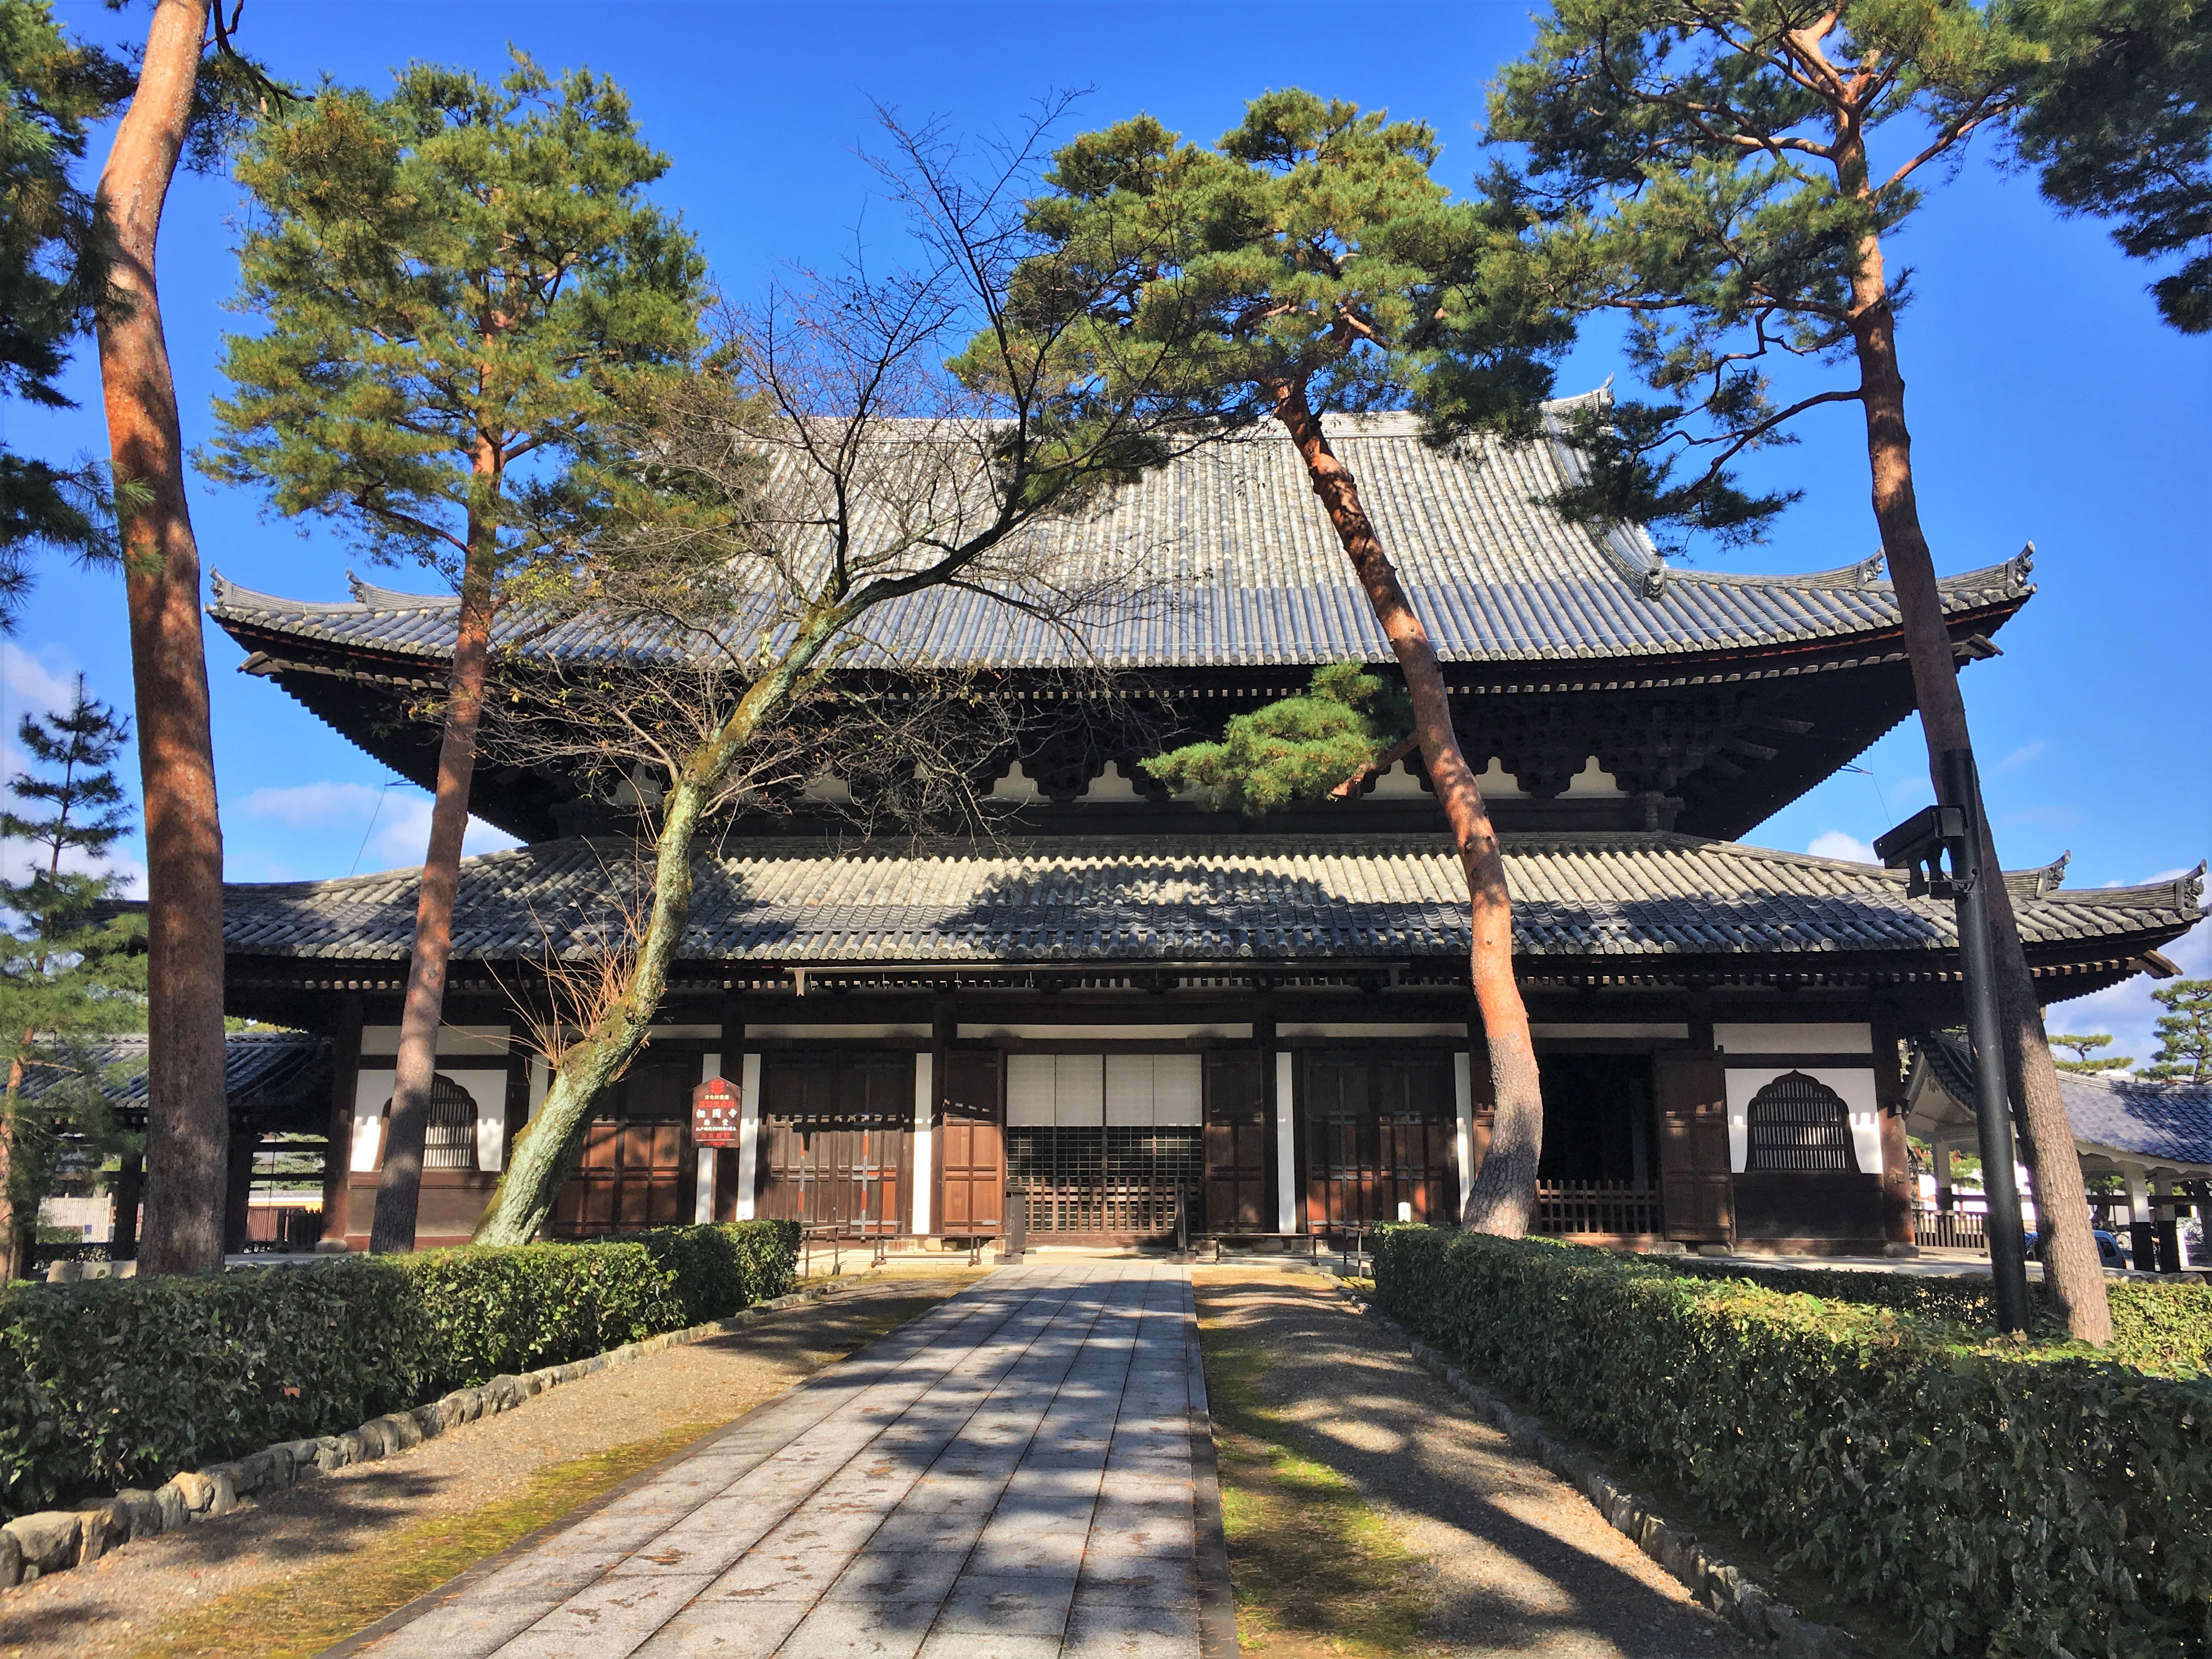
1896	1193
735	1172
337	1156
130	1185
245	1142
1286	1212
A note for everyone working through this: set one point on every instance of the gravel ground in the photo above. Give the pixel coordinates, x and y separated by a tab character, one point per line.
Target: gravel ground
1524	1566
103	1608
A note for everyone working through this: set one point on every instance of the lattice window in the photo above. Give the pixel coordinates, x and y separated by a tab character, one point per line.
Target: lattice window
1082	1179
1799	1126
449	1139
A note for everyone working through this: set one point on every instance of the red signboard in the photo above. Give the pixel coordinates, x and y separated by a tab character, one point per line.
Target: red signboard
714	1110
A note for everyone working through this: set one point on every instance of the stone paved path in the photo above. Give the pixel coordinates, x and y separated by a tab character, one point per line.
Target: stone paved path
1007	1477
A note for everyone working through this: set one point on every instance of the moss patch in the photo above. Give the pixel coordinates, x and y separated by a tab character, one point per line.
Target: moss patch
1315	1570
302	1613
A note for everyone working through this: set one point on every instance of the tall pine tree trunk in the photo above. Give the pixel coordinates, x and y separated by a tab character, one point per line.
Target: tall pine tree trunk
399	1189
2074	1276
188	1131
1503	1198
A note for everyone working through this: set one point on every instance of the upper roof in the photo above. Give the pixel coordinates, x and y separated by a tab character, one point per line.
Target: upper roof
2165	1122
1252	574
1607	896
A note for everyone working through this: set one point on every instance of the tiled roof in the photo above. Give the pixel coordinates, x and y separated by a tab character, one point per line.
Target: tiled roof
260	1068
1315	898
1251	573
2170	1122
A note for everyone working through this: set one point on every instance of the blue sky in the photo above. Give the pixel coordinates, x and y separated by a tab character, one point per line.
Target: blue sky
2047	402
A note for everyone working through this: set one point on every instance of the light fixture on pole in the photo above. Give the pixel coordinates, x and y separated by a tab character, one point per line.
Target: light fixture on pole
1941	846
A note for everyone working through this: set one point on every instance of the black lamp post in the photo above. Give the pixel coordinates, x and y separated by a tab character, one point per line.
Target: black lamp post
1951	833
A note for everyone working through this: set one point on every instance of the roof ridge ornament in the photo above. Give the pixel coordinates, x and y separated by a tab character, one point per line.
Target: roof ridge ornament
1655	579
2020	567
1869	570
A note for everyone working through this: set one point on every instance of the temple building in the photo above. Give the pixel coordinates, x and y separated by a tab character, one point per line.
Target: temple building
1120	1005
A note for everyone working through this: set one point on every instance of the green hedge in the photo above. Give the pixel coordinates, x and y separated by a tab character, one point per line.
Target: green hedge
2157	1325
115	1382
2006	1500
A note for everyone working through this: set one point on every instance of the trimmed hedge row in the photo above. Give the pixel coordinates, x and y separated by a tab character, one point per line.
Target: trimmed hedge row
2002	1500
2156	1325
115	1382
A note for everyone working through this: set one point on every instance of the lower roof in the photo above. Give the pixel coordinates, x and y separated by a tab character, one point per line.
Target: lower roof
1608	898
2160	1122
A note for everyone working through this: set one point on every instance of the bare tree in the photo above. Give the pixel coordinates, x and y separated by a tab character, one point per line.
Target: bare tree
826	481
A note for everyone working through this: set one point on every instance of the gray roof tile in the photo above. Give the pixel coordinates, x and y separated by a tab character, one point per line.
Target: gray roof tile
2169	1121
1314	897
1252	574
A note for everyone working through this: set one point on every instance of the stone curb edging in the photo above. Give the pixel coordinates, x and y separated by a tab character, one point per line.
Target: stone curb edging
1716	1584
33	1546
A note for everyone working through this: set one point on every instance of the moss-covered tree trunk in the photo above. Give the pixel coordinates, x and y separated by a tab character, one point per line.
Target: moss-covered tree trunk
545	1150
1503	1199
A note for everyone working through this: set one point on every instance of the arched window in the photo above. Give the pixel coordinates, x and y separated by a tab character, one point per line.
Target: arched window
1799	1126
449	1140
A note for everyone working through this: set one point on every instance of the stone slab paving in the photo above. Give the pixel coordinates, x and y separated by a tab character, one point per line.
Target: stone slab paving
1009	1476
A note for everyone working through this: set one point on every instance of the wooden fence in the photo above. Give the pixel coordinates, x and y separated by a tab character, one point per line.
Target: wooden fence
1616	1207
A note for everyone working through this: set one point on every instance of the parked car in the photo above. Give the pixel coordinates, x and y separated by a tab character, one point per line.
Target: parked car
2108	1248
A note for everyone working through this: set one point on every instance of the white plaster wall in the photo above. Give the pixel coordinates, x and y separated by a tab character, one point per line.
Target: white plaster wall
748	1083
1463	1095
1856	1085
1780	1039
451	1039
1372	1028
924	1116
1647	1031
1287	1197
373	1088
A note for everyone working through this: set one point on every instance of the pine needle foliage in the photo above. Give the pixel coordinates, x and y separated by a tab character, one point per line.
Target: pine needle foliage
2083	1046
460	283
54	253
2184	1032
2119	125
1296	750
71	969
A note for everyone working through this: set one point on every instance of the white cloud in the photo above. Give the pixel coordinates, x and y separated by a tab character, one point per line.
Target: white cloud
324	805
1908	789
2022	756
35	683
402	835
1835	844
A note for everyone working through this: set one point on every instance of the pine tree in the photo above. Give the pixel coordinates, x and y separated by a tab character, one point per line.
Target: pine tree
1299	749
1705	173
2083	1046
2119	123
71	968
2184	1032
1310	262
459	282
54	253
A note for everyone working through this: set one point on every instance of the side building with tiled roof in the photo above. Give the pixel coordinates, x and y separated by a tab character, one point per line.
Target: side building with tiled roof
1122	1006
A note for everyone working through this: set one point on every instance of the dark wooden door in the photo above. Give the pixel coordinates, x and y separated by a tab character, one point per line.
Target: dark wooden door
636	1169
836	1140
1695	1192
1379	1130
1237	1161
971	1183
